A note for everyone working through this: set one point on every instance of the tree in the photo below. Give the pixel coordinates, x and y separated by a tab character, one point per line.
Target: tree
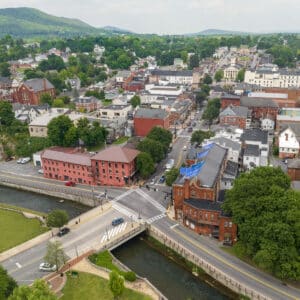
7	284
57	129
4	69
219	75
55	254
53	62
58	102
194	61
212	110
171	176
267	212
205	88
57	218
241	75
207	79
135	101
145	165
116	283
38	291
46	99
154	148
7	115
199	136
161	135
200	97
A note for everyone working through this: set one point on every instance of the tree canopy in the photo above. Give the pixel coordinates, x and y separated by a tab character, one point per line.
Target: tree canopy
154	148
135	101
212	110
7	284
116	283
171	176
267	212
57	218
219	75
161	135
145	165
199	136
6	113
55	254
241	75
207	79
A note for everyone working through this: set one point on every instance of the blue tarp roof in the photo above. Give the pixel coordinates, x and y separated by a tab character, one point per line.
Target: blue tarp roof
191	171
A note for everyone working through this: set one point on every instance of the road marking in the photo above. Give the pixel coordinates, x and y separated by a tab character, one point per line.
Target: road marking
155	218
151	200
113	232
173	226
18	265
216	256
125	211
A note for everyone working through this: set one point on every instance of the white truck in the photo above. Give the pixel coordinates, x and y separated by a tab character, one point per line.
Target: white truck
170	164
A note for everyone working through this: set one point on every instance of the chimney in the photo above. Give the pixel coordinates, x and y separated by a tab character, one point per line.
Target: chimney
44	84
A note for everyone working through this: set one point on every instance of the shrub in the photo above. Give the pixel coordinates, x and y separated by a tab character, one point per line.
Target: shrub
130	276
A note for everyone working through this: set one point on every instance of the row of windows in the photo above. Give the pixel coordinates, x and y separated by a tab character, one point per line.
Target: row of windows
116	165
205	216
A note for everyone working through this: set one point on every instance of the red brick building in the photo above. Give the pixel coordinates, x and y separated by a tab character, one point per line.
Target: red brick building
230	100
293	170
146	118
30	91
235	116
87	104
261	107
113	166
196	198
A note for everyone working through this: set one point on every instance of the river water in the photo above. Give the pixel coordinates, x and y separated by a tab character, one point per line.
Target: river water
37	202
172	280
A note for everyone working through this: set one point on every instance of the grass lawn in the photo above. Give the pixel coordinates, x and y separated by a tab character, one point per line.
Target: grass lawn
121	140
16	229
92	287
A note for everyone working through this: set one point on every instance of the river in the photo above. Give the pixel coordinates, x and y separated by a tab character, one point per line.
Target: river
175	282
39	202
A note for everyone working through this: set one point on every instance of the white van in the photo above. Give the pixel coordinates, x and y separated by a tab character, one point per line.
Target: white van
170	164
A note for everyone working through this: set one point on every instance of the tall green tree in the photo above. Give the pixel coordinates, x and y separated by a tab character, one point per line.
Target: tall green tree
46	99
267	212
219	75
55	254
212	110
135	101
194	61
171	176
57	130
162	136
199	136
241	75
145	165
4	69
38	291
207	79
153	147
57	218
7	115
7	284
116	284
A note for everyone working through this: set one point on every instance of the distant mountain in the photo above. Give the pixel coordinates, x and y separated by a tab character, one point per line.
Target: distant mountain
116	30
27	22
218	32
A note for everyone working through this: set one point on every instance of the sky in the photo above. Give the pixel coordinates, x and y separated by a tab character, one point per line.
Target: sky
175	16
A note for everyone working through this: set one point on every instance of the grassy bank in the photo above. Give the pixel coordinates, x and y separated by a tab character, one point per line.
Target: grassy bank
20	209
16	229
92	287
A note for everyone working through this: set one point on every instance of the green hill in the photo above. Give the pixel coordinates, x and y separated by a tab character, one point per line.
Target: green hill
29	22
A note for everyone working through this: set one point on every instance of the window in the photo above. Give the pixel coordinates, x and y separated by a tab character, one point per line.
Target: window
225	224
116	165
230	224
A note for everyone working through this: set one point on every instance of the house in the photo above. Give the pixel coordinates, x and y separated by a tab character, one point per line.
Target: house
27	114
267	124
30	91
289	141
196	195
236	116
114	111
122	76
114	166
146	118
229	175
286	117
87	104
251	158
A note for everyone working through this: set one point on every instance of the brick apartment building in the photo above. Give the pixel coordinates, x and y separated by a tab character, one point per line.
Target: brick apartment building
145	119
114	166
236	116
230	100
30	91
196	199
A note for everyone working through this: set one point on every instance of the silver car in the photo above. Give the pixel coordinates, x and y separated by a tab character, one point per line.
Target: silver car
47	267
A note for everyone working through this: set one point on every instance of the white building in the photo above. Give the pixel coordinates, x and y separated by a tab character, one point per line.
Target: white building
267	124
114	112
122	76
183	77
251	157
231	72
288	143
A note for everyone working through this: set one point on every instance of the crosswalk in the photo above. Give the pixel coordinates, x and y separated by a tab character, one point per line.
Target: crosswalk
125	211
123	195
155	218
113	232
151	200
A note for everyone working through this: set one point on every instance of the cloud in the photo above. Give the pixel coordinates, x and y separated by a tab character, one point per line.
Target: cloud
175	16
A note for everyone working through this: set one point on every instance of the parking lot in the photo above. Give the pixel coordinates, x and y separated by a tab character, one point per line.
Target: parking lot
21	169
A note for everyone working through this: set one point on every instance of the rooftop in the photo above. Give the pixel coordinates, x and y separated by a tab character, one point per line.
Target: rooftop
117	154
239	111
39	84
185	73
251	150
256	135
149	113
44	119
205	205
231	168
257	102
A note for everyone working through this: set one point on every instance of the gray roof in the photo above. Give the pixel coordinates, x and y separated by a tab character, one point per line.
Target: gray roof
256	135
257	102
123	73
82	100
212	165
192	152
5	80
184	73
39	84
252	150
231	169
231	110
149	113
205	205
226	143
230	96
295	128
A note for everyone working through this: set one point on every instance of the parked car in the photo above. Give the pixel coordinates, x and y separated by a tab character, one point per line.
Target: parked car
190	129
162	179
117	221
19	160
47	267
23	160
63	231
184	148
70	183
41	171
170	164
